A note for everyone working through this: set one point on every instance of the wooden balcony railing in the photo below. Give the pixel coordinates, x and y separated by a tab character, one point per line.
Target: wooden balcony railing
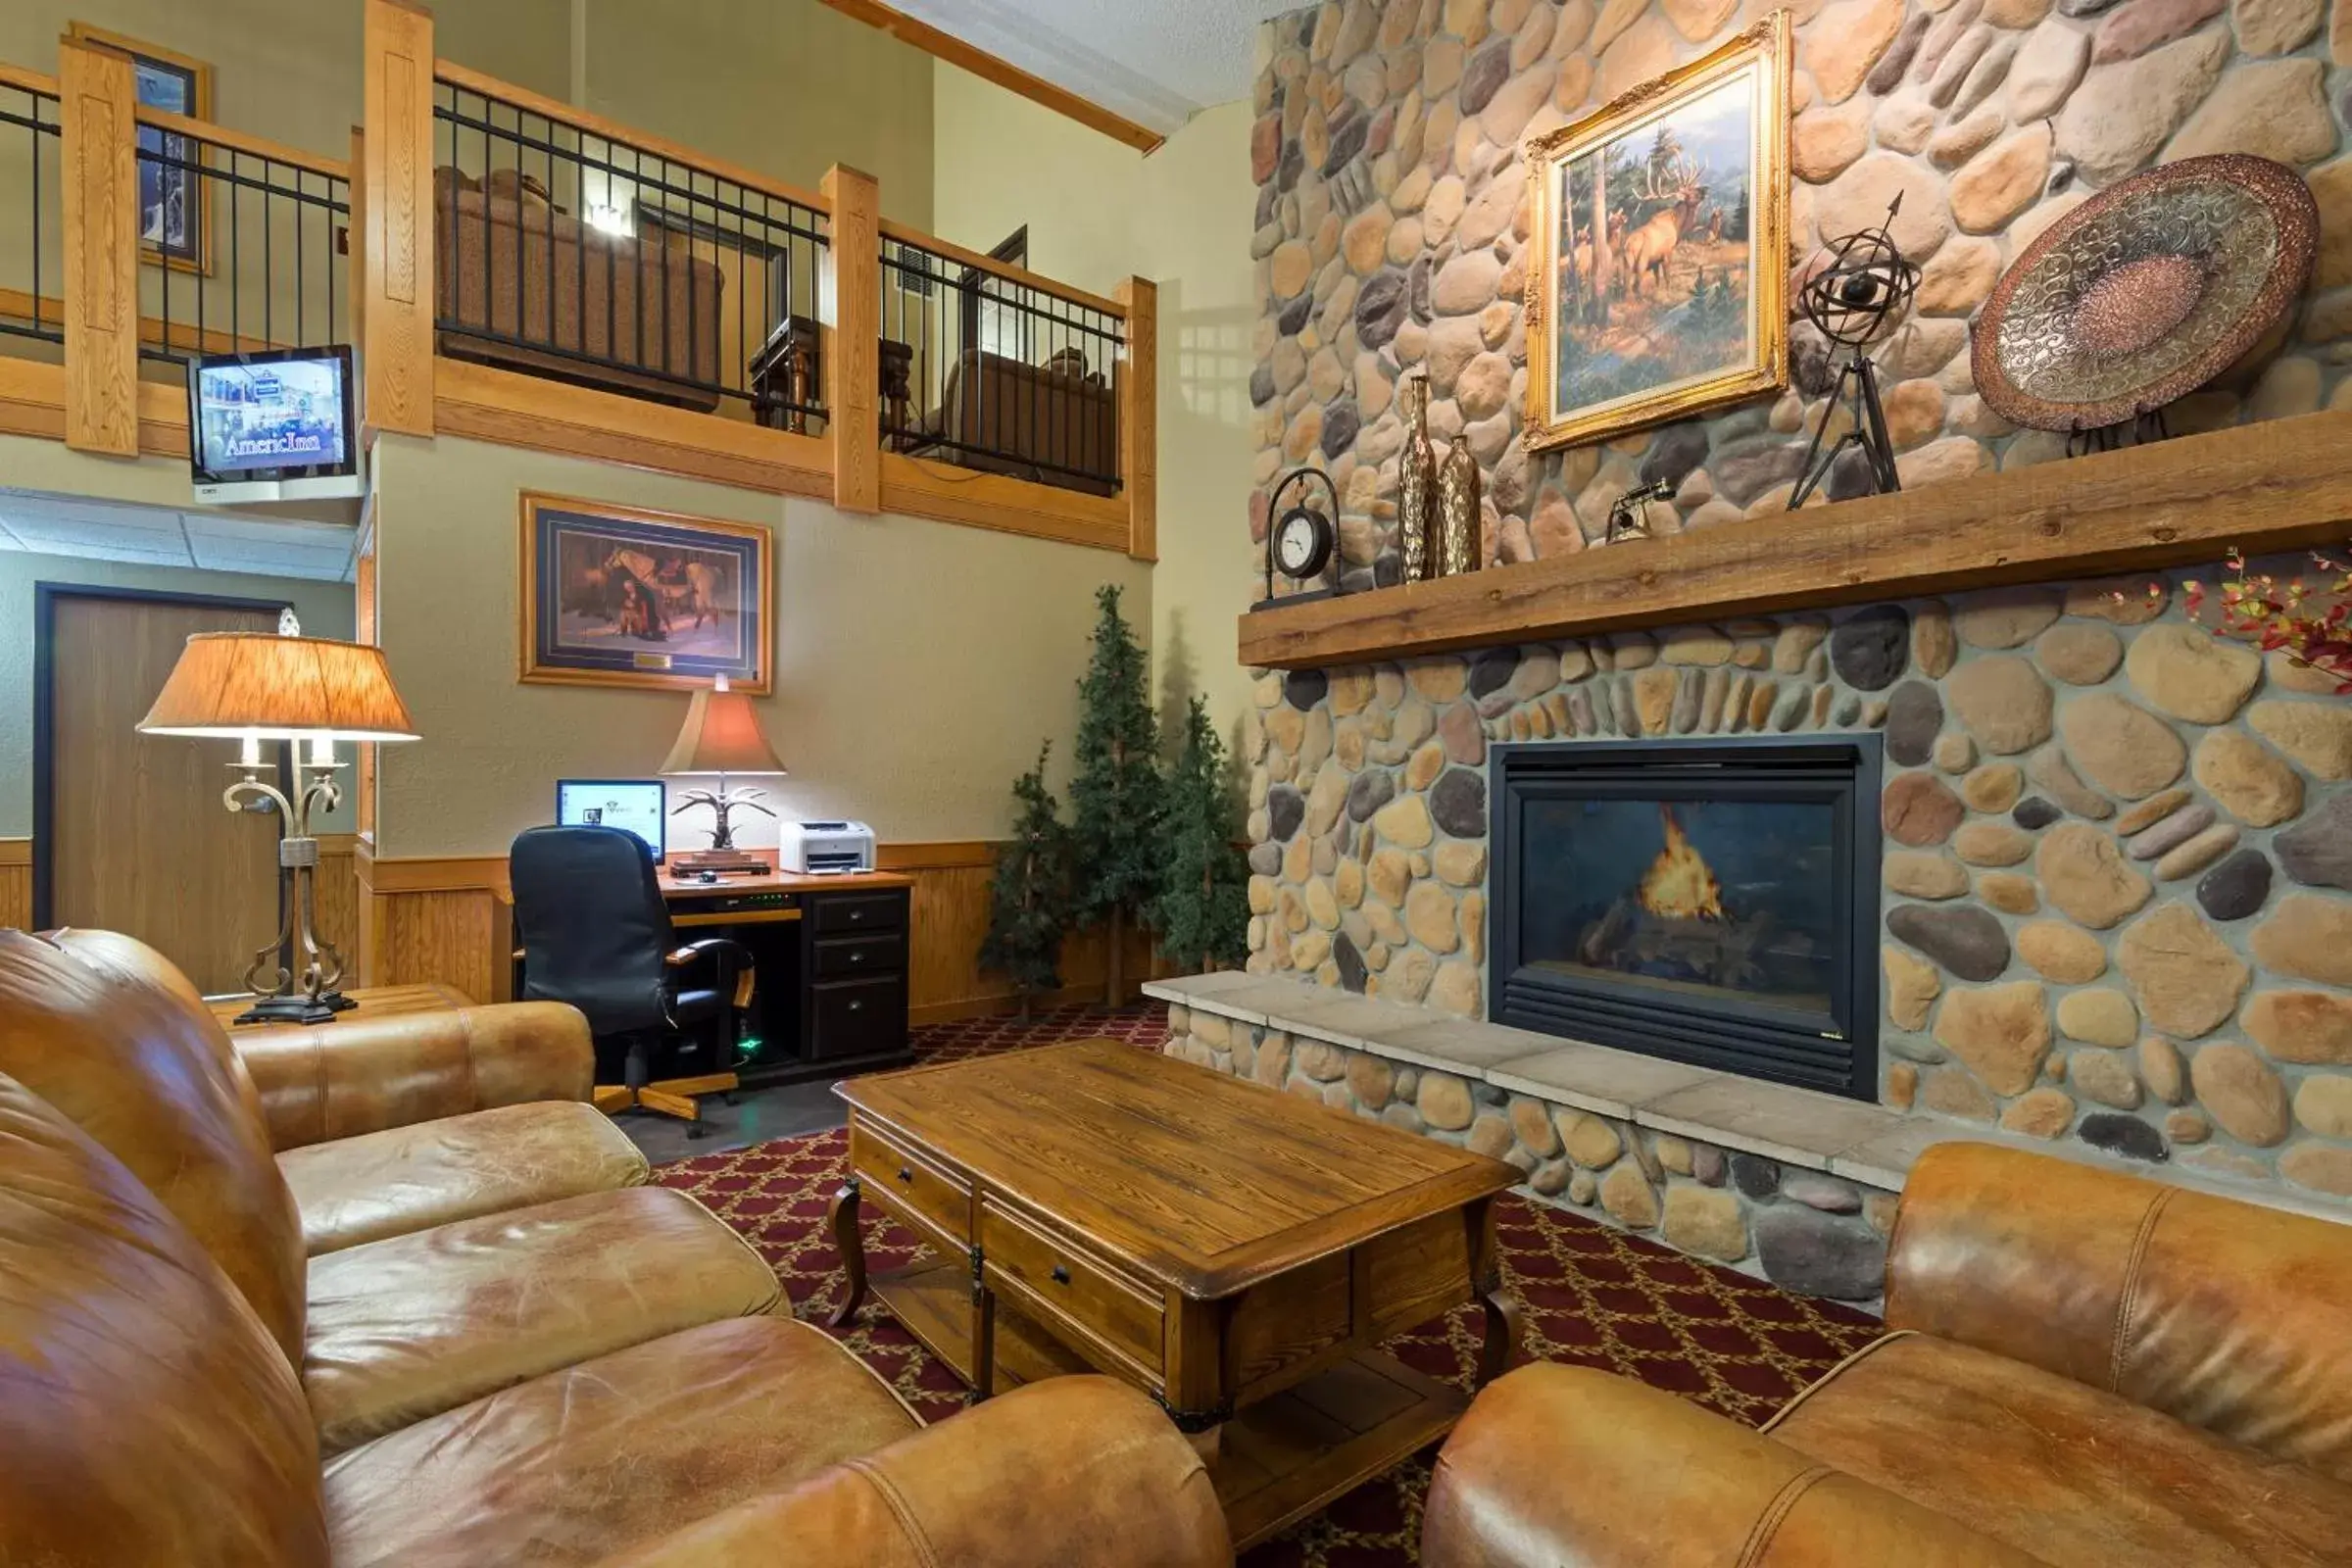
514	269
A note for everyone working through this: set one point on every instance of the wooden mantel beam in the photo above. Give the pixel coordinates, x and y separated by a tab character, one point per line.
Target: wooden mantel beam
2276	485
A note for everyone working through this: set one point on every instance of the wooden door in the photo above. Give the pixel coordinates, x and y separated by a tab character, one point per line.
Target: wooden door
138	840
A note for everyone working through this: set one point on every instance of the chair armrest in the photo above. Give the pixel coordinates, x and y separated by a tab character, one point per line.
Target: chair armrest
1073	1472
2227	1316
1568	1465
731	957
363	1075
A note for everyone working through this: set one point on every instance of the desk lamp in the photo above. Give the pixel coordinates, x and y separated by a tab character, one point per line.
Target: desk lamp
304	693
721	735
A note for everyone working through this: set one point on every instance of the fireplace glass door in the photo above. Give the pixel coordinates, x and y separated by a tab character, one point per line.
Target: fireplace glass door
1704	901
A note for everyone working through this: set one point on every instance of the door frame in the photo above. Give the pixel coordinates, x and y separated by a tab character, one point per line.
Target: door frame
45	597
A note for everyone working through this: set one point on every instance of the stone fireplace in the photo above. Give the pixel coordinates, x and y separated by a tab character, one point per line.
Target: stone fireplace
1709	902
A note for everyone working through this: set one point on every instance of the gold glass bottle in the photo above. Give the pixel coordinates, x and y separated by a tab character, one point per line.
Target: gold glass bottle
1459	523
1417	488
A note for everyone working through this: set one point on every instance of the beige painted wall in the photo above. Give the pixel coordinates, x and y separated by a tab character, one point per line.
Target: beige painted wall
918	665
1097	212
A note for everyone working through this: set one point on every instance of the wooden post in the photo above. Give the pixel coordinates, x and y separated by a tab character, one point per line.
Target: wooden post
98	151
393	300
1139	416
849	307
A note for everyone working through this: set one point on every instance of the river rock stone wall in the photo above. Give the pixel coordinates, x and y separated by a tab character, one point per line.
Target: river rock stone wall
2116	858
1804	1230
1392	224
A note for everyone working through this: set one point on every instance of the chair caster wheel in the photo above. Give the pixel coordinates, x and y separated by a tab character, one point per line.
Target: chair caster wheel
727	1099
694	1131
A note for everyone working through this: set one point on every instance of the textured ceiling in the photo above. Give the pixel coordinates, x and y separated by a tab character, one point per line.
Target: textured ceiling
1155	62
156	536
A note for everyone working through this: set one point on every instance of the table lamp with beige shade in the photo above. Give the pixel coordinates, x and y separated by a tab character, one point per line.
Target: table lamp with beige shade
721	735
304	693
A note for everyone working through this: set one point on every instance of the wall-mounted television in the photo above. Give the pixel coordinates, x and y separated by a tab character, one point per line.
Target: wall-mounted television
276	425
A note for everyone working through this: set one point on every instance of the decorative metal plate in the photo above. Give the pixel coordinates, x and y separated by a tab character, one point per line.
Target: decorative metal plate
2146	292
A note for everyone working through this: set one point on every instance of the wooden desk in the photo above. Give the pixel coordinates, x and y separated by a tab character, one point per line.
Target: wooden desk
1236	1253
831	957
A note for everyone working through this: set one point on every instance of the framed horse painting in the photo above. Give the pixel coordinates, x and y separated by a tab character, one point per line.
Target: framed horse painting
616	596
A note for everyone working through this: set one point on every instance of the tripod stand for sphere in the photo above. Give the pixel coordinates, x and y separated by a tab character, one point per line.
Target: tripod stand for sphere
1858	389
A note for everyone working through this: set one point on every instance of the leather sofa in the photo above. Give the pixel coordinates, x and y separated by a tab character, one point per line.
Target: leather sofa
604	1372
1053	423
2083	1370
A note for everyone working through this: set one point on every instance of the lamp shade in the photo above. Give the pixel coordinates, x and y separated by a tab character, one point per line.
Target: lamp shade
233	684
721	735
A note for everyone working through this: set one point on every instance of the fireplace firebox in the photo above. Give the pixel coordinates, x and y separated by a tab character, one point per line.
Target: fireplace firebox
1712	901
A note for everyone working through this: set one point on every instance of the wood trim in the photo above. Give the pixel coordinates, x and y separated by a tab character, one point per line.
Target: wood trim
15	852
461	873
850	306
162	419
919	487
395	192
982	261
595	125
1004	74
511	409
16	884
32	398
934	856
27	80
99	152
1139	416
183	335
206	130
2279	485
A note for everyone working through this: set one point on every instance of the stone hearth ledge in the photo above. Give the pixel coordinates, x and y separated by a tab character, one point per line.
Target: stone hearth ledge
1795	1127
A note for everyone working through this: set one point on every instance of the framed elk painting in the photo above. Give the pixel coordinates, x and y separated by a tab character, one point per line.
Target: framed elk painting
613	596
1661	243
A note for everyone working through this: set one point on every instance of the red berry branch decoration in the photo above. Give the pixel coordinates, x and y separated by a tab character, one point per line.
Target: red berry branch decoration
2303	621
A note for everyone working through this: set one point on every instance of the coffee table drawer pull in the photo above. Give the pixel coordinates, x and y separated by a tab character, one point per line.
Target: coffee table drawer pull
1061	1274
905	1174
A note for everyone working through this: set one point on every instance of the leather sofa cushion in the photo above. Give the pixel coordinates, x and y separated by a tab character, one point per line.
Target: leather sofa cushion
145	1415
2063	1472
408	1327
600	1457
408	1179
119	1049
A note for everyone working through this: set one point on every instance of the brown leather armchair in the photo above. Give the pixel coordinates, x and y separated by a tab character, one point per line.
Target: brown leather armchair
2083	1370
557	1384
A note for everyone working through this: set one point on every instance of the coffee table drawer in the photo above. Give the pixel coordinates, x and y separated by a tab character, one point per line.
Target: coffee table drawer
1122	1314
902	1177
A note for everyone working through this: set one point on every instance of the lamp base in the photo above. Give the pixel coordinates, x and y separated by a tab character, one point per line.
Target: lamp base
297	1009
718	860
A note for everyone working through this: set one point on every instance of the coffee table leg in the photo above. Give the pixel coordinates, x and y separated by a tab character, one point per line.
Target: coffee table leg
984	1343
842	1217
1500	1347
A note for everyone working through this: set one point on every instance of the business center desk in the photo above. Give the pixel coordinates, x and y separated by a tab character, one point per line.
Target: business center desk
831	954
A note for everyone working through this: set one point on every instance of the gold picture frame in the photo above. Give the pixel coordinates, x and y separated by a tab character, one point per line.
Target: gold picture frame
607	592
1684	307
170	82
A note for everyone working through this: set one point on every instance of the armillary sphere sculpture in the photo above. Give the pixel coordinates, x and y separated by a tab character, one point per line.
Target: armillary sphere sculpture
1859	290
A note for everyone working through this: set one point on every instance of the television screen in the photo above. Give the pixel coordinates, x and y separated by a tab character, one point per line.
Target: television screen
283	414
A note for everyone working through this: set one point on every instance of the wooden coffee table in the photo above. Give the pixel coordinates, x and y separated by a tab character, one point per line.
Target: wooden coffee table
1236	1253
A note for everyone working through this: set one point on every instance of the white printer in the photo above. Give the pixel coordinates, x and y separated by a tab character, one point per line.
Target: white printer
822	847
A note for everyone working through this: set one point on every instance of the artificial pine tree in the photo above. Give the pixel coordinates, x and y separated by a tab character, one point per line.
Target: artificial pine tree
1115	787
1030	900
1202	912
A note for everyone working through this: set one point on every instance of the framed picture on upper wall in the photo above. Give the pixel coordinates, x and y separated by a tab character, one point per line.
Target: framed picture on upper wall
1681	305
175	202
614	596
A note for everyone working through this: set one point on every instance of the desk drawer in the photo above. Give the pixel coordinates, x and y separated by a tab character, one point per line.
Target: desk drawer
898	1176
856	1018
856	913
857	958
1099	1299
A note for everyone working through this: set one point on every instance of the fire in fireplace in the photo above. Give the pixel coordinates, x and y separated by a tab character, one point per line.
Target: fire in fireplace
1709	902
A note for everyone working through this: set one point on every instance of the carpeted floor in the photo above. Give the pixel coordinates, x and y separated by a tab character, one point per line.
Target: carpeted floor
1594	1296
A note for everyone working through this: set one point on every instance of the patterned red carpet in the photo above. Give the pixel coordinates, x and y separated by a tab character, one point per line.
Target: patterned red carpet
1595	1298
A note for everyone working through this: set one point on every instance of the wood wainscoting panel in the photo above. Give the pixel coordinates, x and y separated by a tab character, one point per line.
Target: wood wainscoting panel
338	915
15	883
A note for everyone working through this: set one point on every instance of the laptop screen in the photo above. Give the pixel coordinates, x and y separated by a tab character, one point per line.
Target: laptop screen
639	806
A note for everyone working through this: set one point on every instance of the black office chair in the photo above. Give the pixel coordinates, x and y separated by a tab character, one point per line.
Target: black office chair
596	934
